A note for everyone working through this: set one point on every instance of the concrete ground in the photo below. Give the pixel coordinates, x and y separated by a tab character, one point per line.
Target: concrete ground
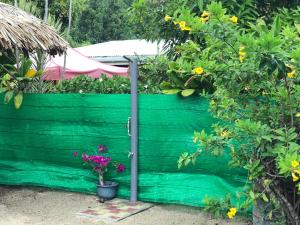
38	206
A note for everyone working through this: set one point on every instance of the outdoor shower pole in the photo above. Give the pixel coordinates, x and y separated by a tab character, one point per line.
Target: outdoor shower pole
134	130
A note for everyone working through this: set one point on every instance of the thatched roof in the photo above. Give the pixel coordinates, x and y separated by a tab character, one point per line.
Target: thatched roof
27	33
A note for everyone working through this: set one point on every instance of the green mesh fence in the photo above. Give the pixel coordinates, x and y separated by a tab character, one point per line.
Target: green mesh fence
37	141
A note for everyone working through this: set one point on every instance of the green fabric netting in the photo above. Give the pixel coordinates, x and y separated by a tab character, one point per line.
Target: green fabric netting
37	142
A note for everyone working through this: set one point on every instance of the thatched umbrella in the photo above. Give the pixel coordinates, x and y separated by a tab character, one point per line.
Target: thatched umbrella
21	30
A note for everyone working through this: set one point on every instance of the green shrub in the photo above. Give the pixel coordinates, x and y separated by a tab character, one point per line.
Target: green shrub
252	78
103	85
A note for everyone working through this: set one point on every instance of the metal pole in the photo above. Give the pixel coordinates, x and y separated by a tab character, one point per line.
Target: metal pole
134	130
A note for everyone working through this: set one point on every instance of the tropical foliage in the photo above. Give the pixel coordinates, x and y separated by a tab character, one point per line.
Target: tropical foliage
16	80
101	21
146	16
251	76
15	83
102	85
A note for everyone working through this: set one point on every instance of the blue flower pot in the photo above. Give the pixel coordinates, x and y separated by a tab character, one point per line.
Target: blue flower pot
108	190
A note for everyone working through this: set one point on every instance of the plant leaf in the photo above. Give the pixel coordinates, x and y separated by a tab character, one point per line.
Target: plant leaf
276	26
171	91
200	5
18	100
8	96
187	92
3	89
264	197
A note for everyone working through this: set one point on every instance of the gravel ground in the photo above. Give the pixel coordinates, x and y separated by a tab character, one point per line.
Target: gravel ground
38	206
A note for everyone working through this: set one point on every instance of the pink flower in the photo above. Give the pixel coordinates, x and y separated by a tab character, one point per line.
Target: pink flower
99	160
102	148
75	153
105	161
85	157
120	168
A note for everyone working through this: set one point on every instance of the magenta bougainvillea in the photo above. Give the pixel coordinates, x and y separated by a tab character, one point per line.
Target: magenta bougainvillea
100	162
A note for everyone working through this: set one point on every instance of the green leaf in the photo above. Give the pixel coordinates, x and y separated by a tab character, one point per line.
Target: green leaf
270	215
8	96
194	160
200	5
182	159
165	85
18	100
264	197
187	161
252	195
6	77
263	63
187	92
267	137
297	26
3	89
171	91
267	182
276	26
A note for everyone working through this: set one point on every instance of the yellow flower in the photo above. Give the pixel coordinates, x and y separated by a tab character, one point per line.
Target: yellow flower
233	210
231	213
291	74
295	177
294	163
241	58
30	73
198	70
297	172
225	133
182	24
204	19
205	14
186	28
234	19
167	18
242	53
297	114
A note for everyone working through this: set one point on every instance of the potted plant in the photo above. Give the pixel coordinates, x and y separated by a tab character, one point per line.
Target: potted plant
100	162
